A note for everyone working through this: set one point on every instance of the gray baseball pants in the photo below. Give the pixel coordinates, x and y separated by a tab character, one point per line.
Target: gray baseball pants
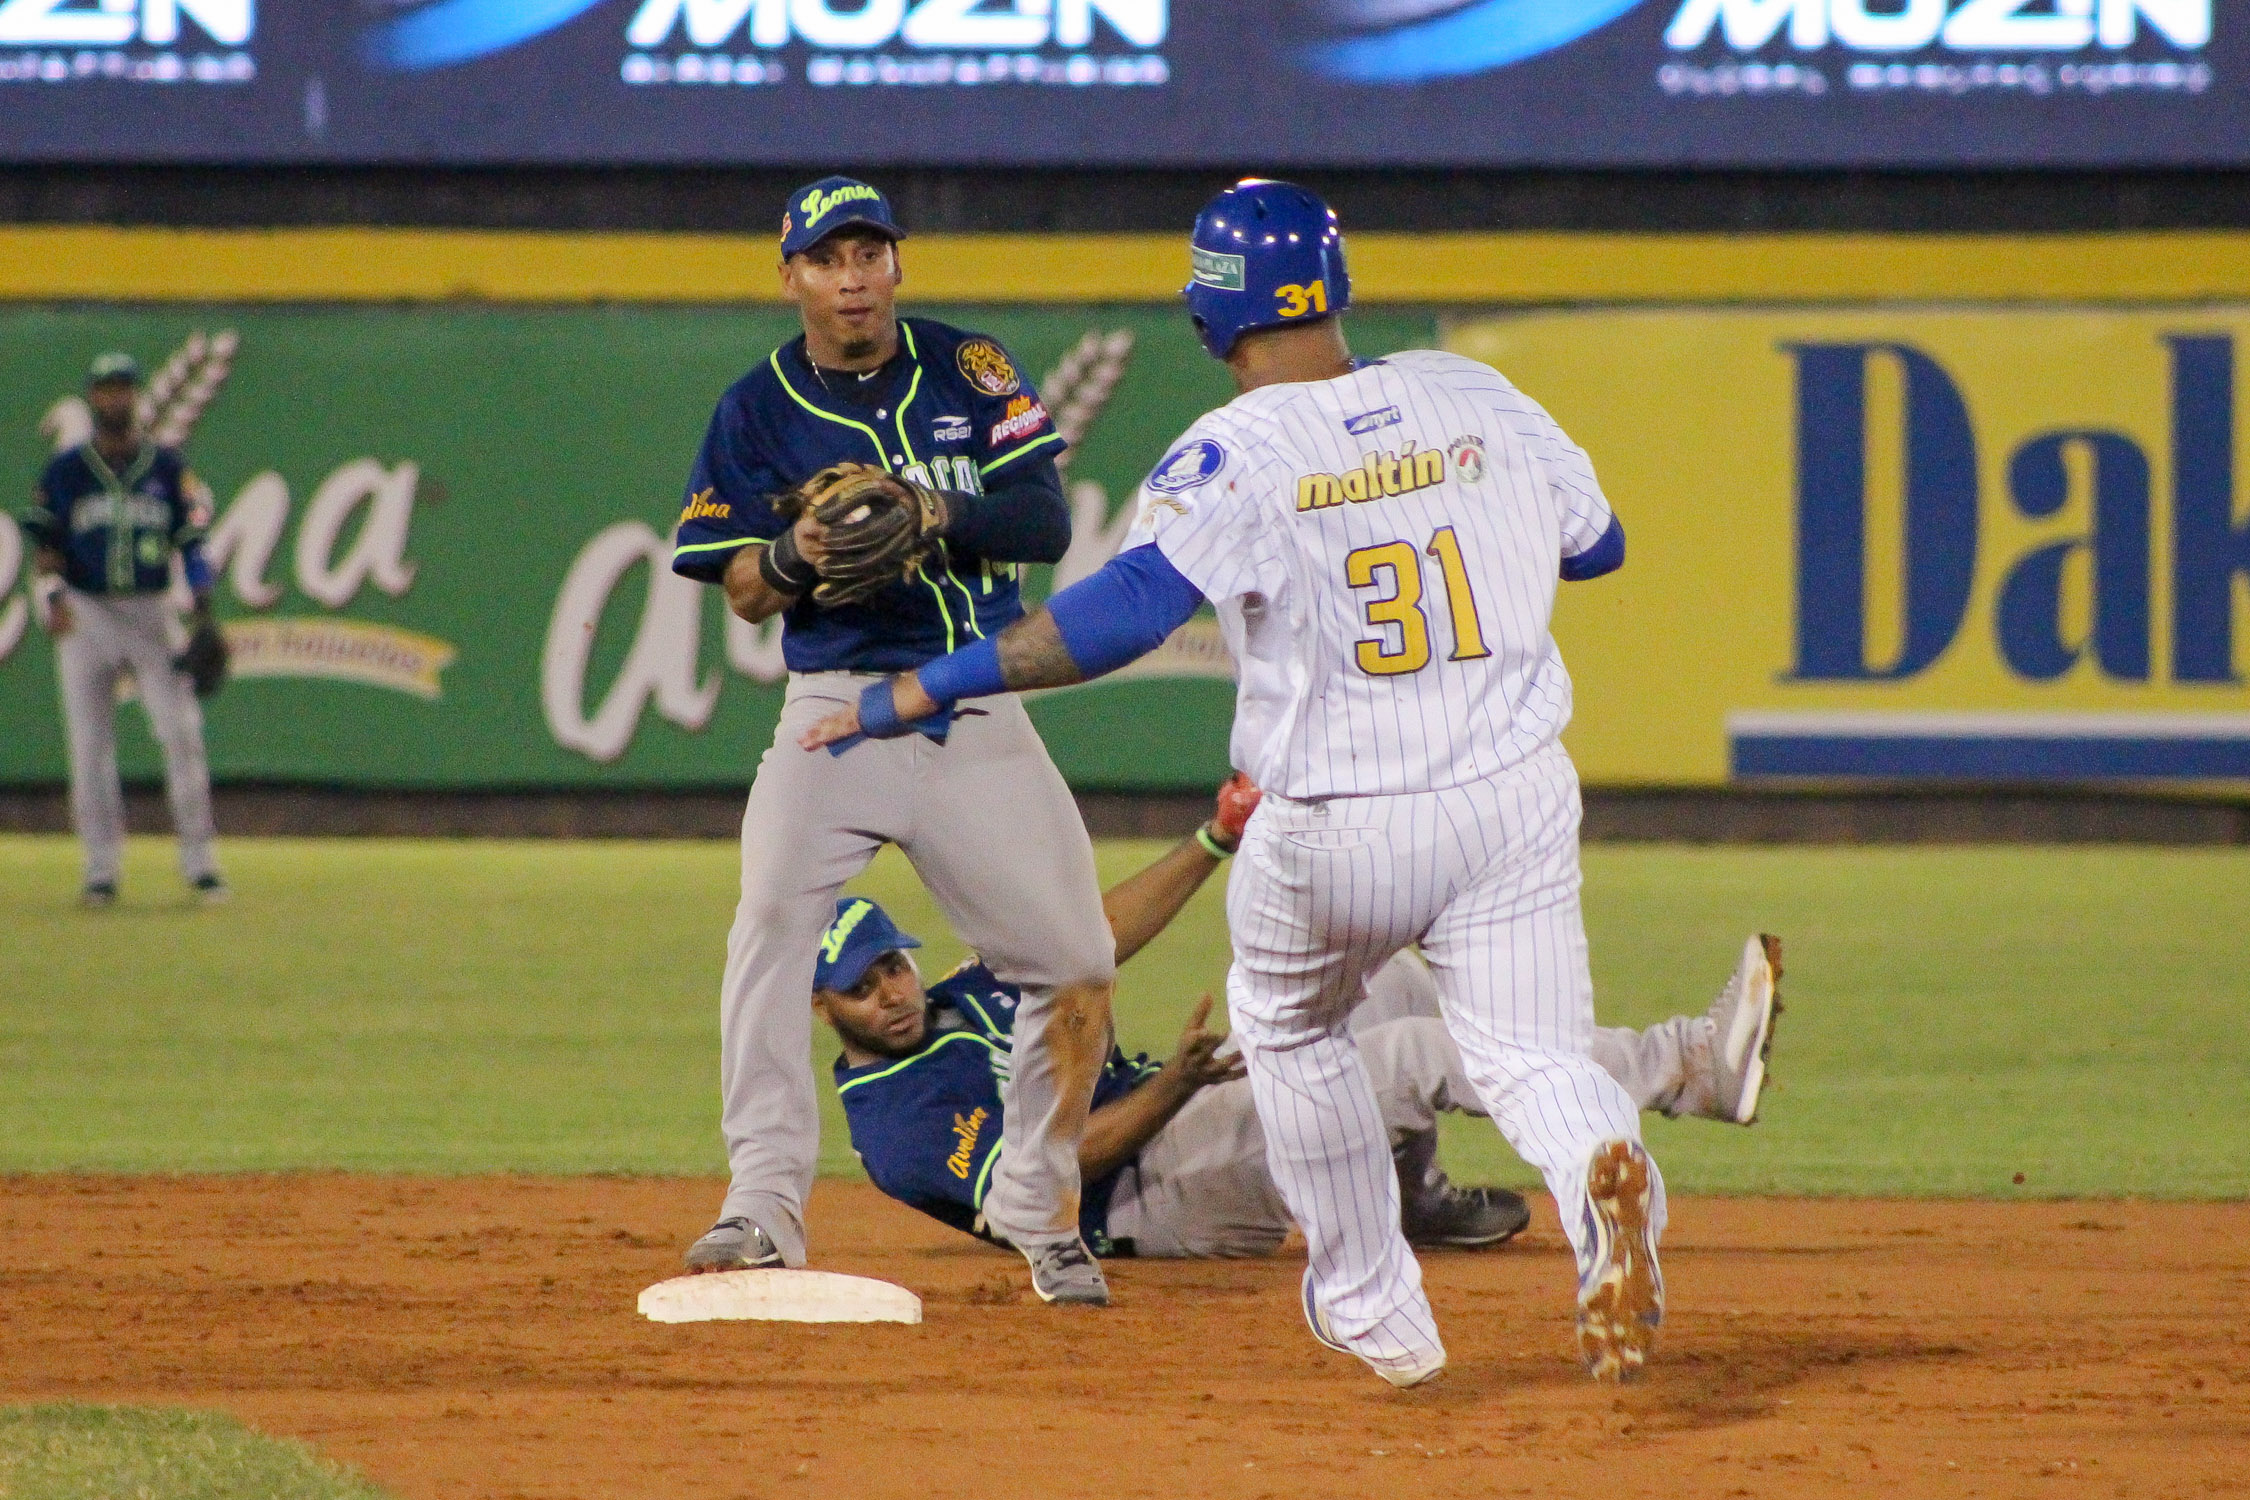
995	836
109	637
1201	1187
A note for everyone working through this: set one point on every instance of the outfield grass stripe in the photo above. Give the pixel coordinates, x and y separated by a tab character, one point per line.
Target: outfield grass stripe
1955	1015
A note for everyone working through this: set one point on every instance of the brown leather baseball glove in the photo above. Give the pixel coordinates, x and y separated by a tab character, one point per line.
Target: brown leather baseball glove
879	528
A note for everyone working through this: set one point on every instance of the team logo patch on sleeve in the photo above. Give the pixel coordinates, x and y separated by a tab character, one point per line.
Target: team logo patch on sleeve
986	366
1468	457
1025	417
1187	466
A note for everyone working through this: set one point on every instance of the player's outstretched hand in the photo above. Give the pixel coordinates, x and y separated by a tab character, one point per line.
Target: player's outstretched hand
1195	1063
1238	798
907	699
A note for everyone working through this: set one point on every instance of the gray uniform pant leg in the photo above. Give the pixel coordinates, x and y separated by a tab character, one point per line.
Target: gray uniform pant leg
812	822
89	660
1402	987
176	719
1664	1068
1201	1186
997	838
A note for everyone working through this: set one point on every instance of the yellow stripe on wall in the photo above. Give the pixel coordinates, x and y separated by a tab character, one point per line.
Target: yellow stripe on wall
387	265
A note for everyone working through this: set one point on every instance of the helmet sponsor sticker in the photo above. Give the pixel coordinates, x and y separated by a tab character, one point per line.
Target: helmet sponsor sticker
986	366
1187	466
1215	269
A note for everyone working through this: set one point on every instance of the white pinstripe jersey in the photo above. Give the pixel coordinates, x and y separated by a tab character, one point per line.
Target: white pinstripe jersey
1383	550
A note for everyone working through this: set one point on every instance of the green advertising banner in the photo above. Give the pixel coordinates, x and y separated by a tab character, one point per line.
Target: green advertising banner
442	537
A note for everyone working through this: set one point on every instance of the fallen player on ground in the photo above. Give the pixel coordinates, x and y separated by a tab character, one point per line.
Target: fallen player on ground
1173	1159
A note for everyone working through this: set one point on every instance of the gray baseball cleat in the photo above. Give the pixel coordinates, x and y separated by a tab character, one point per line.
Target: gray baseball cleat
1405	1374
733	1245
1742	1022
1433	1212
1465	1218
1620	1287
1065	1271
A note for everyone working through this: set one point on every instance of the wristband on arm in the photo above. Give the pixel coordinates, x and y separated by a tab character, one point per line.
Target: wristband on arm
784	568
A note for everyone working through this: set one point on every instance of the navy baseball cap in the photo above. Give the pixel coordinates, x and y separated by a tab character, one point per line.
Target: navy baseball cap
819	209
113	366
861	933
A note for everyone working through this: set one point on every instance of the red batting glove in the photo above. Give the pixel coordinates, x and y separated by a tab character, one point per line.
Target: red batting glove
1237	800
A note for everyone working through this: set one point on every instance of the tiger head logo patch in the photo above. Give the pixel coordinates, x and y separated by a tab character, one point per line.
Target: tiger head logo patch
986	366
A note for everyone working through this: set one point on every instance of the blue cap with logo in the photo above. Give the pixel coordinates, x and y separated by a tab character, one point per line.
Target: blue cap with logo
1264	254
820	209
861	933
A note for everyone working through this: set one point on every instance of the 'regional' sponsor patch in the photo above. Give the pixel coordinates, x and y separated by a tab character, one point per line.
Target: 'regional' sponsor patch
1025	416
986	366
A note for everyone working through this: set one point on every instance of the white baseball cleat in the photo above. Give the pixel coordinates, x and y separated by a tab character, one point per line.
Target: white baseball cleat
1405	1374
1742	1022
1621	1288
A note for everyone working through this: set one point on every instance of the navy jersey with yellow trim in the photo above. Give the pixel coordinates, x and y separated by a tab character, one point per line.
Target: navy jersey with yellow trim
956	415
927	1127
116	530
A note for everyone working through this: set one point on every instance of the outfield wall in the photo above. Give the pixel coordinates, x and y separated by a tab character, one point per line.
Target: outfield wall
1902	508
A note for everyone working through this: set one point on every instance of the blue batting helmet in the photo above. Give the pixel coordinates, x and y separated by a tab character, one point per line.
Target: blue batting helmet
1264	254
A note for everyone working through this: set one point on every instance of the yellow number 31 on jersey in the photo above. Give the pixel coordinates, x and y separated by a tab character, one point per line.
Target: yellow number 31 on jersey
1404	607
1295	301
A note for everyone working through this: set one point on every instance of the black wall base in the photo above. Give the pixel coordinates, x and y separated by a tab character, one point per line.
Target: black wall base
1717	816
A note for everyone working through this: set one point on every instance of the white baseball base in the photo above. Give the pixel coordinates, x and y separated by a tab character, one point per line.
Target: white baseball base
779	1296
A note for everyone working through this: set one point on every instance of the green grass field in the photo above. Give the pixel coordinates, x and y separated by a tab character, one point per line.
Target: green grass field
124	1453
1955	1016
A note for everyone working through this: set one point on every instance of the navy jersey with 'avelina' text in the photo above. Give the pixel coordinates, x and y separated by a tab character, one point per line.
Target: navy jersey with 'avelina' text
949	410
927	1127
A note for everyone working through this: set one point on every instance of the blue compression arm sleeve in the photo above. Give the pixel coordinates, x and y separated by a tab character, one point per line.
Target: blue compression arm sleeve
1605	556
1122	612
196	566
1024	520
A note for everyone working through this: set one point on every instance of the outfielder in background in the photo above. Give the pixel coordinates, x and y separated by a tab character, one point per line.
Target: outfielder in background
1383	540
1173	1158
876	482
105	521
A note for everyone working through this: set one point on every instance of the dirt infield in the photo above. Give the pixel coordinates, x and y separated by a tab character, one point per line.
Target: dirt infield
476	1337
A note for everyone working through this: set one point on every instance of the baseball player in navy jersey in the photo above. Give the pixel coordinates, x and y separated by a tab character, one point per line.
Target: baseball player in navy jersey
975	803
1174	1158
105	521
1383	540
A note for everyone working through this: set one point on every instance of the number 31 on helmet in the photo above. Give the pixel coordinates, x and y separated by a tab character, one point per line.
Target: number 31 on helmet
1264	254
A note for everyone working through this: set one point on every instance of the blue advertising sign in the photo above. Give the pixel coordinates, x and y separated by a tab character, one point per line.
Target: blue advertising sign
1222	83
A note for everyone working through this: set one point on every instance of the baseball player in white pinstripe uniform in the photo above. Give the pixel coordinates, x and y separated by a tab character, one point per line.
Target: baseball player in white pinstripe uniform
1383	542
